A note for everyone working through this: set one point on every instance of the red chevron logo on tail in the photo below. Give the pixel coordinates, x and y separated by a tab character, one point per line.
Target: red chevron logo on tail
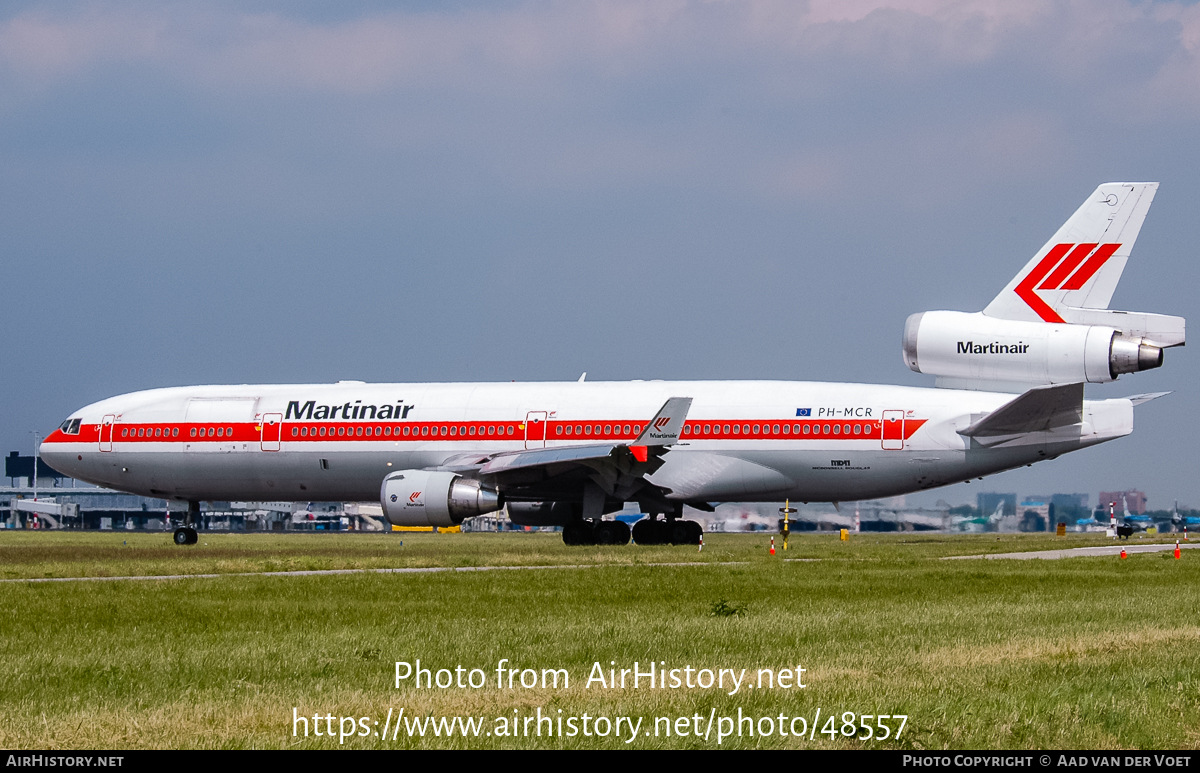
1061	270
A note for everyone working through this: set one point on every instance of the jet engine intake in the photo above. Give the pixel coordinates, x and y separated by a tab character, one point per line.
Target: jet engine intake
434	498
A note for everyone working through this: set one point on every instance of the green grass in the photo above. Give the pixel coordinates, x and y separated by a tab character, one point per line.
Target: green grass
1078	653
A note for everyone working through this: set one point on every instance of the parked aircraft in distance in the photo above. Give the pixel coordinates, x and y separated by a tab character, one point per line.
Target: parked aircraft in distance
1009	393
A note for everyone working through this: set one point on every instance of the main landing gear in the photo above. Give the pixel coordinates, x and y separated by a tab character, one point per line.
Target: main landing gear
595	532
186	535
670	531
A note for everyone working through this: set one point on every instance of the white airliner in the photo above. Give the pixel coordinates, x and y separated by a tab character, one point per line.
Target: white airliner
1010	392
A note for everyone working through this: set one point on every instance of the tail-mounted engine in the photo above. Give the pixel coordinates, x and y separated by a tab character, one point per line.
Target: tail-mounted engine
431	498
976	351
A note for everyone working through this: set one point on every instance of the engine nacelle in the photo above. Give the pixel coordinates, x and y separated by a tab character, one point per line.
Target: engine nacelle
973	350
433	498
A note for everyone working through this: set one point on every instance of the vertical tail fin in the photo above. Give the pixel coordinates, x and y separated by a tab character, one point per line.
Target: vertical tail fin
1081	264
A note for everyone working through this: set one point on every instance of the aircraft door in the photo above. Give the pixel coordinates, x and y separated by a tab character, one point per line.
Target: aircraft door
272	430
106	432
535	429
893	430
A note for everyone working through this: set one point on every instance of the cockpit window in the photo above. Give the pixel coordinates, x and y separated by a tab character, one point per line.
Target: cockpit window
70	427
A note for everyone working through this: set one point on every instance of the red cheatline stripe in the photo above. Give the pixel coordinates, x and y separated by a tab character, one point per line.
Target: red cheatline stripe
1098	259
251	432
1067	266
1025	288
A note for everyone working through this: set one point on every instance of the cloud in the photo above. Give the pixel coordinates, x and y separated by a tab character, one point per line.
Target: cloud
773	98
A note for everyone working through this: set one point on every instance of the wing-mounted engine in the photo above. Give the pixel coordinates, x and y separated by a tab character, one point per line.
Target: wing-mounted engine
1051	324
435	498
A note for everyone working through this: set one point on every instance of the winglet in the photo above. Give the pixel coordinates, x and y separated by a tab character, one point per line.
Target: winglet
664	428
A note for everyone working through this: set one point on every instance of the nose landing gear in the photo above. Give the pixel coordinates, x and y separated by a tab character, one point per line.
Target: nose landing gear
186	535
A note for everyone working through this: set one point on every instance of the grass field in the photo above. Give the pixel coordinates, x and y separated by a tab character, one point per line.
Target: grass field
1077	653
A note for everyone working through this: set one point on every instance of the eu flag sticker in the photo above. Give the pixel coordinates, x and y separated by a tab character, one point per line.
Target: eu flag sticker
804	411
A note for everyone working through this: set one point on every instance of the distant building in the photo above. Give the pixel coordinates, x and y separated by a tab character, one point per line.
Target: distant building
1078	501
1132	502
988	501
1035	515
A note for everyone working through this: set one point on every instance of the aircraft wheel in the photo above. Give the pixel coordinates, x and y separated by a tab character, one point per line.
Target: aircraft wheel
697	532
606	534
681	533
186	536
578	533
612	533
645	532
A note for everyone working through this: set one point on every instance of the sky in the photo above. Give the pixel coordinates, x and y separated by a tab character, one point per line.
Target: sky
261	192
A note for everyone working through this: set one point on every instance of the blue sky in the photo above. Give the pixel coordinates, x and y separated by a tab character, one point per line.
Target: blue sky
262	192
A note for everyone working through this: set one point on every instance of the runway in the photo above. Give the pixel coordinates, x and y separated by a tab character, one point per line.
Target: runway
1101	550
402	570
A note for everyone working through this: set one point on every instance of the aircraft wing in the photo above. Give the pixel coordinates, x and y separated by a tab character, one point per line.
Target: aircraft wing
617	468
1039	410
540	457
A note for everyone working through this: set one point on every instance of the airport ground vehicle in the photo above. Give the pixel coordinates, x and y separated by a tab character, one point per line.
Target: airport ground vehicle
1010	392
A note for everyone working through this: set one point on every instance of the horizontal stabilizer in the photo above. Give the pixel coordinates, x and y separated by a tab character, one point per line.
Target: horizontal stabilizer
1039	410
1145	398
